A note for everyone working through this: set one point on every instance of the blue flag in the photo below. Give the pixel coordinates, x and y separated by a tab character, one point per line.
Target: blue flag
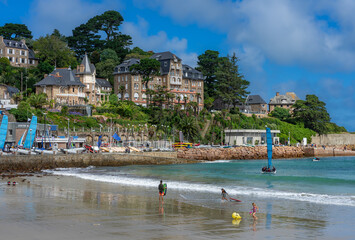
116	137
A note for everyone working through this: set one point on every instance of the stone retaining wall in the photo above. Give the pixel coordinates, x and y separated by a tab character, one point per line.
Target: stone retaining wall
334	139
34	163
211	154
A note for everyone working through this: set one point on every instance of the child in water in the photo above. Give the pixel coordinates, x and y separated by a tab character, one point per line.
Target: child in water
254	210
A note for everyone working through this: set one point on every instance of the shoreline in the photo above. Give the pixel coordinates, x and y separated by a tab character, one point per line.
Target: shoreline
35	163
67	207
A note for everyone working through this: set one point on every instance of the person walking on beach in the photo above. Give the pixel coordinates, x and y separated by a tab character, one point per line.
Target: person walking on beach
254	210
224	194
161	191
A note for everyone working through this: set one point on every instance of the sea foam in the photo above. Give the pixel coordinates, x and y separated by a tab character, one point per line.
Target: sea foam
344	200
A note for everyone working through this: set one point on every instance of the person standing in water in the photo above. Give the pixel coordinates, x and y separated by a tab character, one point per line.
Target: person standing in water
254	210
224	194
161	191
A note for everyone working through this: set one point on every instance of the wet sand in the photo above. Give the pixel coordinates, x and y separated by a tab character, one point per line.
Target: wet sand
57	207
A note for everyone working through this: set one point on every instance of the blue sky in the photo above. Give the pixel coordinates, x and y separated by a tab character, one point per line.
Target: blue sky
303	46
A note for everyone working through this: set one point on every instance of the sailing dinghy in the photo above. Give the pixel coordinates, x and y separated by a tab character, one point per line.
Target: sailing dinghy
268	168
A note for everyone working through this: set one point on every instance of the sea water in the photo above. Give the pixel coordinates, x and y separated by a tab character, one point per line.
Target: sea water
302	194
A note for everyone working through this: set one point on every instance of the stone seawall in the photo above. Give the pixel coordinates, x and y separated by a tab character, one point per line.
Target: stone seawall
211	154
334	139
34	163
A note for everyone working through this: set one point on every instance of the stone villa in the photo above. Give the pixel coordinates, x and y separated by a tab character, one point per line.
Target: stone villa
18	53
182	80
6	93
283	101
78	87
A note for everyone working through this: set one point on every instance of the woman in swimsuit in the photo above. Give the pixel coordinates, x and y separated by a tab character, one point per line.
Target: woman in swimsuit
254	210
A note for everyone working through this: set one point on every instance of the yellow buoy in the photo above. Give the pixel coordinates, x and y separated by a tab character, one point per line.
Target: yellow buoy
236	215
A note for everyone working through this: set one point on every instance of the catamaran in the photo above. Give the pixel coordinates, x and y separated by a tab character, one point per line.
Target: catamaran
268	168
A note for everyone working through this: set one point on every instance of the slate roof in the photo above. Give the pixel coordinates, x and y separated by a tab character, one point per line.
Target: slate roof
31	54
289	98
15	44
103	82
124	66
164	56
218	104
254	99
164	59
60	77
89	68
10	90
191	73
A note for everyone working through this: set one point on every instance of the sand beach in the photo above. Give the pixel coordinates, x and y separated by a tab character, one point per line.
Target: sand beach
60	206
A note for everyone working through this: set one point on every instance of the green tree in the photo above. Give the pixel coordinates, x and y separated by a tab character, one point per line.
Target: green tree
84	40
159	96
15	31
189	127
113	99
169	97
280	113
59	35
137	52
209	103
105	69
95	57
87	38
22	112
231	85
147	68
17	97
38	100
120	45
8	74
50	48
65	110
108	22
45	67
312	113
109	54
122	89
207	64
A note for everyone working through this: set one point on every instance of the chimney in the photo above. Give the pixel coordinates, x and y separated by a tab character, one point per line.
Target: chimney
277	93
23	41
1	38
45	75
57	74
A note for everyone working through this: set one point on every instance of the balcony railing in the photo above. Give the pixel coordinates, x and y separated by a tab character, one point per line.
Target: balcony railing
174	81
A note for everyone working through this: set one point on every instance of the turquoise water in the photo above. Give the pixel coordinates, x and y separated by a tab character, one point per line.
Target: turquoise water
328	181
304	199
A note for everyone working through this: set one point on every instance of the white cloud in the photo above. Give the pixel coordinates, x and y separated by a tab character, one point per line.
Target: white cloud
64	15
159	42
285	32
